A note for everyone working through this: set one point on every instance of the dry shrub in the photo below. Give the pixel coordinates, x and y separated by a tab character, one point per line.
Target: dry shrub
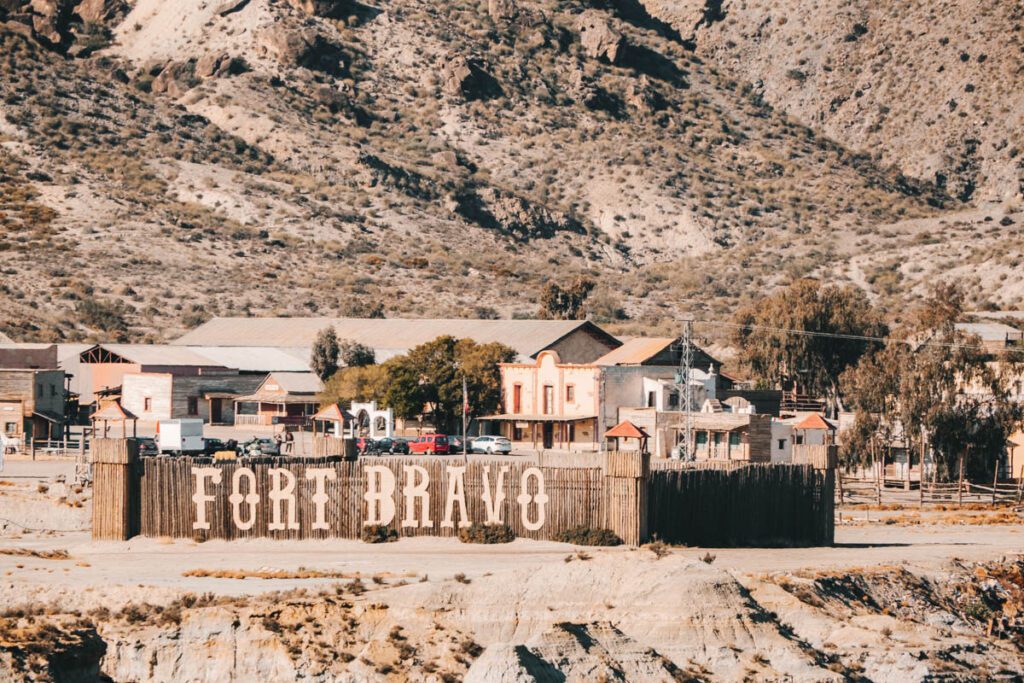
487	533
41	554
583	535
378	533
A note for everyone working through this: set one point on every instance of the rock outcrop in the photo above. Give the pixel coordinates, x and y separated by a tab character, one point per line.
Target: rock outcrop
101	11
303	48
515	216
465	77
323	8
217	64
599	37
175	79
50	19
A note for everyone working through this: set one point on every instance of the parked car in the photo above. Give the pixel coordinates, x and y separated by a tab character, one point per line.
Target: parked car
388	445
257	447
491	445
454	444
214	445
430	444
147	446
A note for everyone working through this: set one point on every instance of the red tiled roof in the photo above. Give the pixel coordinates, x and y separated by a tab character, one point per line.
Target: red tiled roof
813	421
626	430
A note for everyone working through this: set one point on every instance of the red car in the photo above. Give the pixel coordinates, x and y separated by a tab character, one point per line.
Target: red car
430	444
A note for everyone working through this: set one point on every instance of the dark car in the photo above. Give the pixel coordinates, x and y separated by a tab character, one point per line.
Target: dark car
211	446
389	446
147	446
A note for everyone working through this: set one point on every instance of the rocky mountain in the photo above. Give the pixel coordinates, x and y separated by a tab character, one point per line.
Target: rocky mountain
165	160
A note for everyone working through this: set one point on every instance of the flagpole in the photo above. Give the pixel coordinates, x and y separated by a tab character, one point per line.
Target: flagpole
465	410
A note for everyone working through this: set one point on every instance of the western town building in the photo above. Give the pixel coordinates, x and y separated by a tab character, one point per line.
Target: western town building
32	404
575	341
552	404
33	394
159	382
282	398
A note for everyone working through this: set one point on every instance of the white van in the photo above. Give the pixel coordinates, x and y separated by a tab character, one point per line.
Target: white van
180	436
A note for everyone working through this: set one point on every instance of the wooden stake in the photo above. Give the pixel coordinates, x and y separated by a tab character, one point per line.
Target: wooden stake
960	485
995	481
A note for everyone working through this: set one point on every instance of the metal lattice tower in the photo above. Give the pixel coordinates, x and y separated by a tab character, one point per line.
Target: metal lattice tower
684	380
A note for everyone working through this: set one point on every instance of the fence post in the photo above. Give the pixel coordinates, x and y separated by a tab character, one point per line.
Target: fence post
960	485
115	489
995	481
626	478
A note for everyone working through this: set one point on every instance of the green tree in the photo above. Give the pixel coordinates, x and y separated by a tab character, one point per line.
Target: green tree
353	354
948	394
430	376
357	383
323	359
779	337
559	302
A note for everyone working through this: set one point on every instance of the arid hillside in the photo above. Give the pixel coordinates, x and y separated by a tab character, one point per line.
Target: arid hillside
166	160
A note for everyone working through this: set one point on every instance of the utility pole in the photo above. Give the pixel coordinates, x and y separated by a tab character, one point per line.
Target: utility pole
684	381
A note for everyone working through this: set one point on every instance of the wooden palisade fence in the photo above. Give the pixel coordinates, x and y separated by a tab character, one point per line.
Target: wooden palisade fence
297	498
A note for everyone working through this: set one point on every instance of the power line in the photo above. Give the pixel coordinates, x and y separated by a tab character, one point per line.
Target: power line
838	335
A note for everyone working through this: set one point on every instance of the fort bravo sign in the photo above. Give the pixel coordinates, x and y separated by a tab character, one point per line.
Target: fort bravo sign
381	486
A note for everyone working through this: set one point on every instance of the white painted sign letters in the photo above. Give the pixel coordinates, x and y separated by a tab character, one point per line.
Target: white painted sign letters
319	476
300	500
492	502
456	494
251	499
201	497
380	495
282	494
417	483
524	499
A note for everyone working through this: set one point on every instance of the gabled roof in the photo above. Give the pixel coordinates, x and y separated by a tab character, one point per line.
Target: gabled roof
113	411
294	382
388	336
626	430
814	421
333	413
150	354
636	351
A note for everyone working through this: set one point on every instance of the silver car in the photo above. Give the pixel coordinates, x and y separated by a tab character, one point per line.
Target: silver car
491	445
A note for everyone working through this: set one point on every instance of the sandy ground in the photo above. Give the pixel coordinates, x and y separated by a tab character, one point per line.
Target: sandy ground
641	610
151	569
146	568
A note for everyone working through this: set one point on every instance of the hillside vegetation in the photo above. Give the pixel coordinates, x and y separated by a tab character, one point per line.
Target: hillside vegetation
166	161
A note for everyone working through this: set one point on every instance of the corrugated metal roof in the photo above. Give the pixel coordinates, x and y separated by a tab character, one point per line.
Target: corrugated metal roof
635	351
71	351
254	358
159	354
387	336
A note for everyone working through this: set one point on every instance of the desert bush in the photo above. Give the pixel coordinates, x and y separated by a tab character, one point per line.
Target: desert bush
487	533
378	533
583	535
